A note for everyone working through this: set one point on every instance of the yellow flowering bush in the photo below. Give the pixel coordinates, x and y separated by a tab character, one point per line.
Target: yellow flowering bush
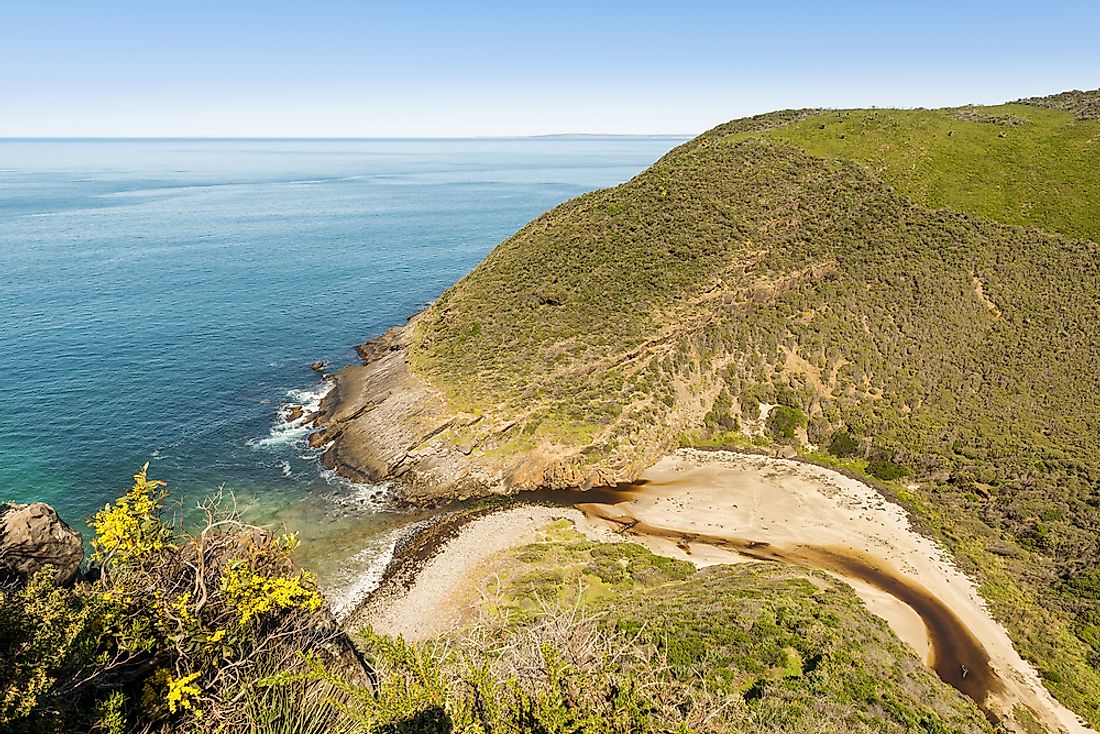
253	594
132	528
176	616
181	692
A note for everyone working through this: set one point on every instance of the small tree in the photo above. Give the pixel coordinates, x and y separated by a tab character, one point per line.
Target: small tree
843	445
783	422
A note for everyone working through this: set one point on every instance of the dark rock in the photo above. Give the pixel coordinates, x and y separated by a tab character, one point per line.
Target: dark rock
293	413
33	537
318	366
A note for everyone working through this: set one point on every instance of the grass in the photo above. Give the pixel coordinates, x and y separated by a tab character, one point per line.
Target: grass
1042	174
639	643
781	647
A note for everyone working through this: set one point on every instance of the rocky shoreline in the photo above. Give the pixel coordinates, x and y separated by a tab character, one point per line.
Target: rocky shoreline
382	422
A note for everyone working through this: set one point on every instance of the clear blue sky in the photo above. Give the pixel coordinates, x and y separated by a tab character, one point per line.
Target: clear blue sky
514	68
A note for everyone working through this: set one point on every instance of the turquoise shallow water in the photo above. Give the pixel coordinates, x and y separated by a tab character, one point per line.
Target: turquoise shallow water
160	299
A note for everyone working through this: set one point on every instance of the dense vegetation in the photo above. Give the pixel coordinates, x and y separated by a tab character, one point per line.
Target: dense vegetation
924	283
216	631
1015	164
171	629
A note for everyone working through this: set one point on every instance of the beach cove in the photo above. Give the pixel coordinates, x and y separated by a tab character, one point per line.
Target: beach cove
720	507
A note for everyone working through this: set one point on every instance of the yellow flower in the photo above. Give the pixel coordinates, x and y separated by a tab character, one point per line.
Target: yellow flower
181	692
253	594
132	527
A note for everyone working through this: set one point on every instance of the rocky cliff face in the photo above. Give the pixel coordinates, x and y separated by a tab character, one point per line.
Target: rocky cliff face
33	537
382	422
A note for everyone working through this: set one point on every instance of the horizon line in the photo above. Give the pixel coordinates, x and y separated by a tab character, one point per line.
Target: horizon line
48	138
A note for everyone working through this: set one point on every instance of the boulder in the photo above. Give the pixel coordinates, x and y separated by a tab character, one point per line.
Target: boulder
33	537
318	439
318	366
293	413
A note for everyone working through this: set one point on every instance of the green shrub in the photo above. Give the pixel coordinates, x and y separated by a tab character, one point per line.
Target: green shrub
783	422
886	470
175	628
843	445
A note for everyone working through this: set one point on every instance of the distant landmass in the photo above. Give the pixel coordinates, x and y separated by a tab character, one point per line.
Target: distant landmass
581	136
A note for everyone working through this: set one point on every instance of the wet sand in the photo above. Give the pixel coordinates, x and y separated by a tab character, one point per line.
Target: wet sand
722	507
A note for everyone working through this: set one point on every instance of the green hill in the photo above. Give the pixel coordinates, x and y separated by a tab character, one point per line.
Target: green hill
919	288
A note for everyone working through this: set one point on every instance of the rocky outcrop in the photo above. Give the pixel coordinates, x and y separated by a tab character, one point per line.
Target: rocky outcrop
382	422
33	537
379	422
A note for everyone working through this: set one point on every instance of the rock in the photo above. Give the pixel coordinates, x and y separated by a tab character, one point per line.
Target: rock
787	452
33	537
318	366
293	413
318	439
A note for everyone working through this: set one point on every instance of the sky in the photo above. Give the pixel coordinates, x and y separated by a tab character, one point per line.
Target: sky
406	68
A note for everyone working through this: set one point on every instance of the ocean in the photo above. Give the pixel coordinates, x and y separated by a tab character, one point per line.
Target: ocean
162	300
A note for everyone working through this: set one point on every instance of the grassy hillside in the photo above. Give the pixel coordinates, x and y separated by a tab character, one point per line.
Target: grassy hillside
922	284
1015	164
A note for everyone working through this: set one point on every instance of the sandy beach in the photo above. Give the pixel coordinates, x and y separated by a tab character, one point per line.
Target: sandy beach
723	507
446	589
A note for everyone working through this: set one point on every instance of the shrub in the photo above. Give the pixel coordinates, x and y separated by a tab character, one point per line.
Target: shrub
886	470
843	445
177	626
783	421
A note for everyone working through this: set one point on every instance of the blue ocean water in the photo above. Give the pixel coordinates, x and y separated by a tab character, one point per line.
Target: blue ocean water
160	299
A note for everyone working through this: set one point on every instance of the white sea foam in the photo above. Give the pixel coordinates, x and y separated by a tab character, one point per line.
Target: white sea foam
284	432
354	497
365	571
